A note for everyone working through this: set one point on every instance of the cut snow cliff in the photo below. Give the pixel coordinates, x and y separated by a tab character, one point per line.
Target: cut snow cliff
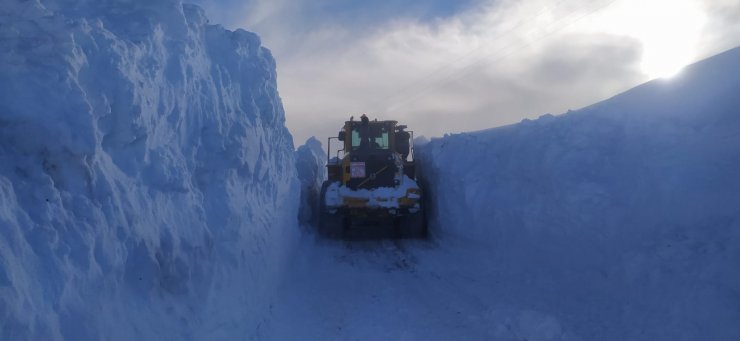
621	221
146	177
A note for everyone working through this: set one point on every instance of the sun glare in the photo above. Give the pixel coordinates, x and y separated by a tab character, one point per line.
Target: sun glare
669	31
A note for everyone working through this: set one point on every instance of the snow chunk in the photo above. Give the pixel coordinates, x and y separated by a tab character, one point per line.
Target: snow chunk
382	197
311	168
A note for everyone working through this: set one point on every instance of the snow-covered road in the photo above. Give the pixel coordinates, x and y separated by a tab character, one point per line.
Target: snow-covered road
387	289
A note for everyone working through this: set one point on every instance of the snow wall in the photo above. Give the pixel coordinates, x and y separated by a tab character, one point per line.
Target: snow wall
147	180
621	220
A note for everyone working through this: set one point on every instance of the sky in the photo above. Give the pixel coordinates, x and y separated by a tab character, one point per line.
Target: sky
442	66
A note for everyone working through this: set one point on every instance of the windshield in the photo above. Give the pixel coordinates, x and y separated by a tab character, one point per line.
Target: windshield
374	136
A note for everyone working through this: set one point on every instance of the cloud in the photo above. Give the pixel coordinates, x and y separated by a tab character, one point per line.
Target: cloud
722	31
477	65
471	71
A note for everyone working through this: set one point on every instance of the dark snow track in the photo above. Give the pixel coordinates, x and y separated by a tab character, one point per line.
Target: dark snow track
390	255
392	289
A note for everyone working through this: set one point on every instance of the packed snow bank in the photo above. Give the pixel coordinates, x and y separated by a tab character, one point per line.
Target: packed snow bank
311	169
146	177
620	220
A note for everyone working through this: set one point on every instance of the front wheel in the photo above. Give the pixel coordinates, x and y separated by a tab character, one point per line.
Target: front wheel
415	225
330	224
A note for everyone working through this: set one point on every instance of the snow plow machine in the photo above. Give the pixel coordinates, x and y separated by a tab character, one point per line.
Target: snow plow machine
371	181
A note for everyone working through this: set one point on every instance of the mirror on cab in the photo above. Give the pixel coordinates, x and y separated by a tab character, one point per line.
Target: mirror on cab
341	135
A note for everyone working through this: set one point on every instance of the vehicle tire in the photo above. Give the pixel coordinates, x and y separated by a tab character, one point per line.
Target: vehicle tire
330	225
416	224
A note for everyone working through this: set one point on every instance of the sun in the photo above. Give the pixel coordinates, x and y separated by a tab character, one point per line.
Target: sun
668	30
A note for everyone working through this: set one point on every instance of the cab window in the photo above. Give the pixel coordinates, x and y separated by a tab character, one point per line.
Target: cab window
378	136
381	142
356	138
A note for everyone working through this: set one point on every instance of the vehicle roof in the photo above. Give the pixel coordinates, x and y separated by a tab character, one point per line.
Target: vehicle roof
373	122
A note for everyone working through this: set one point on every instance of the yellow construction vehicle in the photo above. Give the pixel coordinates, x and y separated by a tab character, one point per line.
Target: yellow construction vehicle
372	178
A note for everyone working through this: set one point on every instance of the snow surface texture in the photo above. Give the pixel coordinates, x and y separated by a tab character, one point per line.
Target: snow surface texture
311	169
147	181
620	221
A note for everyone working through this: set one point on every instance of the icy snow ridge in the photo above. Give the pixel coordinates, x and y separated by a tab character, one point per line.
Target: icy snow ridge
146	177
